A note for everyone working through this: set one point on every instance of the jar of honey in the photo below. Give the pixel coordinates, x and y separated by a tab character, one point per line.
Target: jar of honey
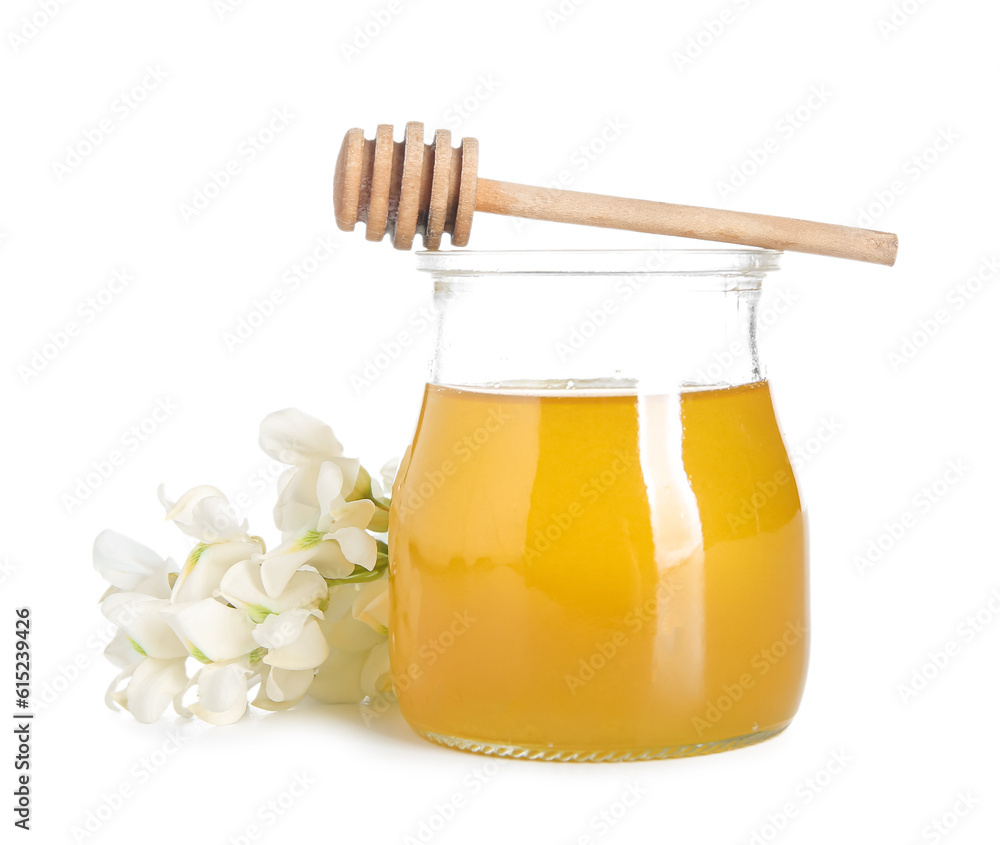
597	548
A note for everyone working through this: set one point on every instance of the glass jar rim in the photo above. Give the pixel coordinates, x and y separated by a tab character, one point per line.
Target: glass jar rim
749	261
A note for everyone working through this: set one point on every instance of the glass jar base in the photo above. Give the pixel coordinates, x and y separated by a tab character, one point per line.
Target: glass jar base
527	752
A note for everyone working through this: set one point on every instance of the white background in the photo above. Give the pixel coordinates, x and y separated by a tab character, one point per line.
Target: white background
537	88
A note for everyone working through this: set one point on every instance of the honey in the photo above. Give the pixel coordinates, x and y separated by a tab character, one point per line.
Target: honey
594	573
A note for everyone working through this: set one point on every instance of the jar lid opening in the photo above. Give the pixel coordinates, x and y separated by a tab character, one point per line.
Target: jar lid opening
719	262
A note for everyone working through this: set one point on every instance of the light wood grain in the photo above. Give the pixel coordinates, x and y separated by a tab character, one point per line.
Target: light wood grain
408	187
437	212
408	200
686	221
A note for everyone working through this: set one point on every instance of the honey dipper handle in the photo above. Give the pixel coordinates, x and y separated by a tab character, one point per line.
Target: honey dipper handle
686	221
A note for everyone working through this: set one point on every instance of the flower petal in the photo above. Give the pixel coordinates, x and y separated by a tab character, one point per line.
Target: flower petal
341	601
214	520
308	651
281	629
372	605
288	684
126	564
278	567
380	521
329	484
120	652
342	631
179	708
243	587
358	546
305	492
297	508
221	688
181	510
329	560
338	679
205	513
213	717
376	678
212	630
293	437
205	567
347	515
262	700
141	618
388	472
114	696
152	686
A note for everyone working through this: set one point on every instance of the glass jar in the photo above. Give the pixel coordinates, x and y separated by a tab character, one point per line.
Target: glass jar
597	550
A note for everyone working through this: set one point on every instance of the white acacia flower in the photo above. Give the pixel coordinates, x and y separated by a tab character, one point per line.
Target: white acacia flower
358	664
140	618
338	680
334	543
152	684
121	652
295	647
371	605
212	632
204	513
147	651
131	566
242	587
207	565
311	616
343	631
295	438
287	626
286	686
222	693
298	504
283	630
388	473
376	677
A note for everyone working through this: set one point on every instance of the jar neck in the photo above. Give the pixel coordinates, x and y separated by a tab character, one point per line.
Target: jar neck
646	327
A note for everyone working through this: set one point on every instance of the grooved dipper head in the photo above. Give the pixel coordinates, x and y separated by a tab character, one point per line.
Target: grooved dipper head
405	187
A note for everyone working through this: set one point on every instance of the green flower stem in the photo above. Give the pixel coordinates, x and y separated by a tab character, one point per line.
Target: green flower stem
360	575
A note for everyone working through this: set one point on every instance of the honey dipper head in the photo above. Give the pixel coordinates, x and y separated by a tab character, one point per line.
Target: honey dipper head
405	187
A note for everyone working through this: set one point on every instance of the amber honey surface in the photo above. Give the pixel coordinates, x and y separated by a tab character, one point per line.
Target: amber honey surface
592	570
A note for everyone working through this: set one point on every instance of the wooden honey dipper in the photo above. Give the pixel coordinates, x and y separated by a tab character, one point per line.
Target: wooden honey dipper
405	187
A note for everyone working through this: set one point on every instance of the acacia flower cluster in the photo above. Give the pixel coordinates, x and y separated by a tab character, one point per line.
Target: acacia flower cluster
309	616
